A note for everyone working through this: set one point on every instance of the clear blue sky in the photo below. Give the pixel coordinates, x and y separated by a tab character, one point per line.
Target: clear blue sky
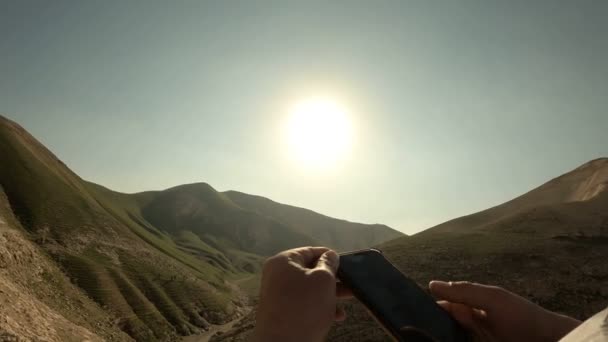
460	105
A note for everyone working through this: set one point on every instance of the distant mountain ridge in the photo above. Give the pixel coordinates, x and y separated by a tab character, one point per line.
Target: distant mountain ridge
583	184
340	234
213	217
160	263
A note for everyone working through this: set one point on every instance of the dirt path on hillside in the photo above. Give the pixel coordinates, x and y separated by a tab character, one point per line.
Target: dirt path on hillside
215	328
224	328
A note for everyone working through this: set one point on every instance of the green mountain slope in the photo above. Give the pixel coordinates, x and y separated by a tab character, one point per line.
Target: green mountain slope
339	234
138	274
160	263
37	300
218	222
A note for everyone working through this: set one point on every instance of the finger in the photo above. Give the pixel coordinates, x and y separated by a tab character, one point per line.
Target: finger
329	261
340	315
449	307
479	314
463	314
306	256
474	295
343	292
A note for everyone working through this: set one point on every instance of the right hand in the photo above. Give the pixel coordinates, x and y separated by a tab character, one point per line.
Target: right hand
298	296
491	313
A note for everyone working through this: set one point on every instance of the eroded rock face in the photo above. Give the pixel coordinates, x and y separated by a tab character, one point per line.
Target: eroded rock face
22	315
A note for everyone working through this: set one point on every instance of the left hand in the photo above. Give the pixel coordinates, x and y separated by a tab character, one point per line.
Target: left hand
298	296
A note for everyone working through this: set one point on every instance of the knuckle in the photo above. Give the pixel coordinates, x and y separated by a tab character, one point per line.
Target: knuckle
274	262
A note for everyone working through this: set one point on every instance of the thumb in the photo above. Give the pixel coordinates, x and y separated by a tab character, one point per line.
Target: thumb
329	261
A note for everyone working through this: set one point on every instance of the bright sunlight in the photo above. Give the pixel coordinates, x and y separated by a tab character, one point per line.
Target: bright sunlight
318	132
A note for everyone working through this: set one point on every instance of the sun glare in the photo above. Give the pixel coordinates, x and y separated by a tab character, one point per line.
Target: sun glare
318	132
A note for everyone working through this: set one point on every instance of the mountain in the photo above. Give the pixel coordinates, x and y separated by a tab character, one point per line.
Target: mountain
37	300
549	245
99	264
582	185
139	276
340	234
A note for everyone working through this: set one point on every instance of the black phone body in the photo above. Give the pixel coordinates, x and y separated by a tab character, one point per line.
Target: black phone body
397	302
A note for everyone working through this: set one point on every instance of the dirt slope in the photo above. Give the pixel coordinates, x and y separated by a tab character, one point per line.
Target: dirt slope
37	302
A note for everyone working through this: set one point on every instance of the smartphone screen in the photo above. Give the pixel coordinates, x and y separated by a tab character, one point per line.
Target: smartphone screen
397	302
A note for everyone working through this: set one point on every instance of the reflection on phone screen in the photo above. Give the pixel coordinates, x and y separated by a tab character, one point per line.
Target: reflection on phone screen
396	299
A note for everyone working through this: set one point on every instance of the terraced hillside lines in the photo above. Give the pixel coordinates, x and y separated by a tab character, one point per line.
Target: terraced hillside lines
245	262
39	300
328	231
167	307
159	263
91	233
151	305
142	307
126	210
100	285
192	244
199	300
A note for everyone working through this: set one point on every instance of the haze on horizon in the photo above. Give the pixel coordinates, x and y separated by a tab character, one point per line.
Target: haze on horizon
456	107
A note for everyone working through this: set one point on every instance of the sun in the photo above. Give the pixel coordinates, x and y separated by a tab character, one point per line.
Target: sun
318	132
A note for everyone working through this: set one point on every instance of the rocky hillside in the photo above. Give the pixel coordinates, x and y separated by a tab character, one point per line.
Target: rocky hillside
103	264
37	300
584	185
549	245
155	290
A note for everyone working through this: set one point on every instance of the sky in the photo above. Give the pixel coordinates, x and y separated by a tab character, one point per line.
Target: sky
457	106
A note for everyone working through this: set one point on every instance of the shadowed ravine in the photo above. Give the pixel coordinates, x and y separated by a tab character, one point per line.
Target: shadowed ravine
216	329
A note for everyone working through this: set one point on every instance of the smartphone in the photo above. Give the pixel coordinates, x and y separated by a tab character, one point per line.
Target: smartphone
405	311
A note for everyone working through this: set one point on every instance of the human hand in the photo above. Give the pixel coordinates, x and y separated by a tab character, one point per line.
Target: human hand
491	313
298	296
